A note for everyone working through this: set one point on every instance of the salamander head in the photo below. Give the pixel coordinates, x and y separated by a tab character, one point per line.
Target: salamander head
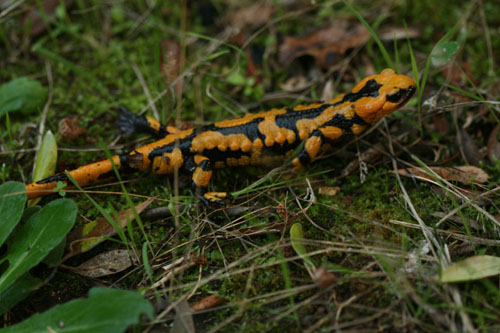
381	94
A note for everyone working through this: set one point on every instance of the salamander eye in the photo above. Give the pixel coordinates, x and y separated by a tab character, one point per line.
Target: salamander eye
402	95
396	97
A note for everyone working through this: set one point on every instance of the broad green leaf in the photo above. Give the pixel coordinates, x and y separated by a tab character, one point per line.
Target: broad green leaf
55	255
105	310
36	238
296	237
28	212
11	207
472	268
46	160
442	54
22	94
17	291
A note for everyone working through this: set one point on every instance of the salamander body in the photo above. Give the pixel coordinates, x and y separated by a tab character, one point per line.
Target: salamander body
254	139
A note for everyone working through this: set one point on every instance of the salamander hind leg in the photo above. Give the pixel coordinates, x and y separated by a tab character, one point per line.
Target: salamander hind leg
201	178
129	123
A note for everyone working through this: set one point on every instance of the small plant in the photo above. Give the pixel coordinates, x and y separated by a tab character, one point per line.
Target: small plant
30	235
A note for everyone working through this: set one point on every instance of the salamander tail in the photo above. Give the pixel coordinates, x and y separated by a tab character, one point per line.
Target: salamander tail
85	175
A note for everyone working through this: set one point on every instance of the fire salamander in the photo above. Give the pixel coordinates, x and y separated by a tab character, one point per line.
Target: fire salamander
254	139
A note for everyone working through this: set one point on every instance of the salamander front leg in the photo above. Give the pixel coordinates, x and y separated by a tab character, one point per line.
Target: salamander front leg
201	178
309	151
129	123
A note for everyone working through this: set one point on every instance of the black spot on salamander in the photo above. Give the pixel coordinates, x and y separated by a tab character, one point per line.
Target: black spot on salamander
107	175
216	155
340	121
183	144
289	119
370	89
358	120
250	129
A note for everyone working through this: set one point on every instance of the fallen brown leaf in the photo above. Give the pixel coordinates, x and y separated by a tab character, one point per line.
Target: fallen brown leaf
86	237
465	174
208	302
103	264
70	129
441	124
252	16
326	45
323	278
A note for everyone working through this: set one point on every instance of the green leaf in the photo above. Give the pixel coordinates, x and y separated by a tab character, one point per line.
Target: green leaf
55	255
35	239
236	78
105	310
46	158
46	161
296	237
11	207
472	268
17	291
22	94
442	54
